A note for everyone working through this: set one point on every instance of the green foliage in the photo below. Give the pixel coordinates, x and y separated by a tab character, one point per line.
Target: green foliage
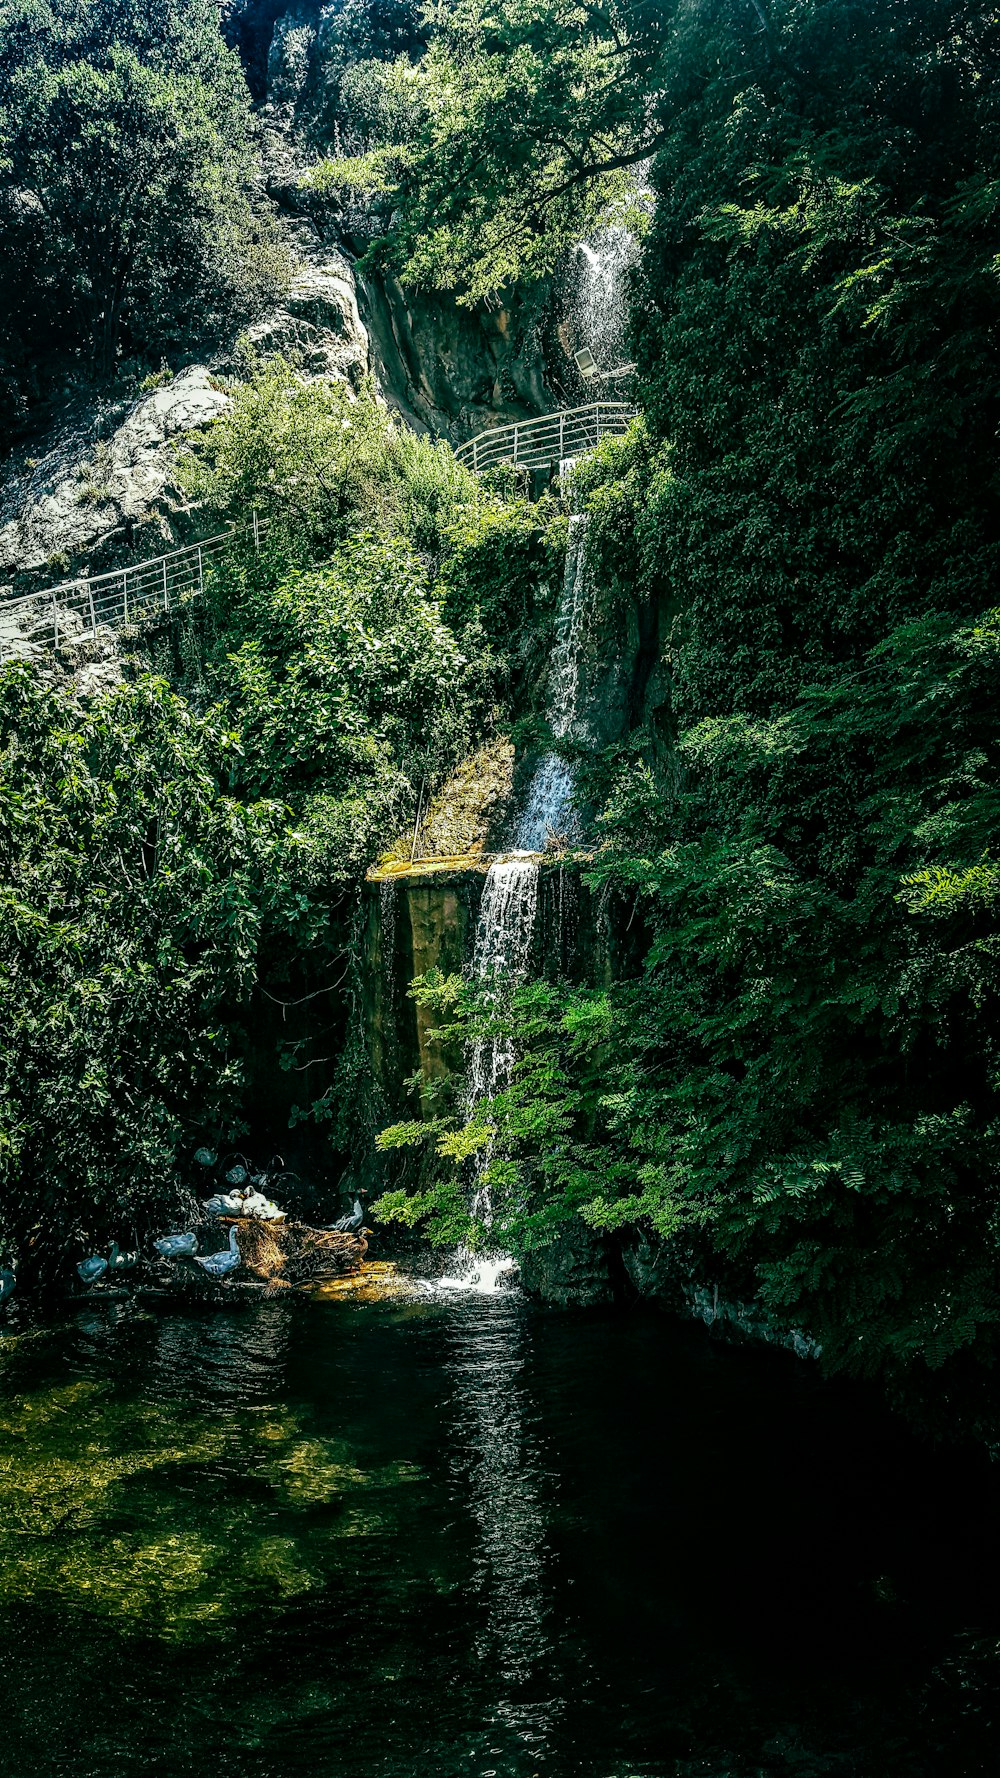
317	462
530	115
129	923
128	210
349	687
799	1090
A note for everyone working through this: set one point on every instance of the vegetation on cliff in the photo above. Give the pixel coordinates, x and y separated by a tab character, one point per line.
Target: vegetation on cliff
801	1085
131	220
179	859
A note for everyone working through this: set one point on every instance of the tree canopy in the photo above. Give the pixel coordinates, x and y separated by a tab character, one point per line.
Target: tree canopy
130	218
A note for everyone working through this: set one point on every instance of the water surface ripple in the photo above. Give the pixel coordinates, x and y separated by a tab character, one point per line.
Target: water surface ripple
464	1536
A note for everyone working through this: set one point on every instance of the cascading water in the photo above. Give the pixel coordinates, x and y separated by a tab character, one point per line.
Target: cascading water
597	282
499	961
510	894
599	306
548	808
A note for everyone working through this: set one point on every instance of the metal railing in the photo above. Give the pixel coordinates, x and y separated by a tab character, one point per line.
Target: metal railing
76	609
548	440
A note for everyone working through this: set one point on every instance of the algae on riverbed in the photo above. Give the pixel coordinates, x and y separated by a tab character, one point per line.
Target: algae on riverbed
103	1508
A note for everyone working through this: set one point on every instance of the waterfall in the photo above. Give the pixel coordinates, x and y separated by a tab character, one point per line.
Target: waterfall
599	305
499	962
597	282
548	806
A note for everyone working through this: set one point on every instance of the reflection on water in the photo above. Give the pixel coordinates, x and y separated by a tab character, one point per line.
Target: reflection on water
455	1535
500	1477
223	1361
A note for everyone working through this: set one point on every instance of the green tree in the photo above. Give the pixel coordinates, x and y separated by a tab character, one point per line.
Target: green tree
129	922
522	120
129	215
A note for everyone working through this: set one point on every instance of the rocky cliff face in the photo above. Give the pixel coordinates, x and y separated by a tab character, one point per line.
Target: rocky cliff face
98	489
104	492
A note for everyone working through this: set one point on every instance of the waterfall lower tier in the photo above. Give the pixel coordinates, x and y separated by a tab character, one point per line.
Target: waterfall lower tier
428	917
548	811
499	962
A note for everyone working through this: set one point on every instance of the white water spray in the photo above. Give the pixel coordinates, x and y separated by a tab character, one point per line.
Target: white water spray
499	961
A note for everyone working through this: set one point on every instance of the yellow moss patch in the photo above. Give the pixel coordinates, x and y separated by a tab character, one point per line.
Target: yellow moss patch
457	821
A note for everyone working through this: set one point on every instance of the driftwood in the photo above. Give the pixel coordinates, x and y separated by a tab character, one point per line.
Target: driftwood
293	1253
274	1256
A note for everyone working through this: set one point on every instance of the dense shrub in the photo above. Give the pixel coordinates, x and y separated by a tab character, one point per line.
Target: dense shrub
130	220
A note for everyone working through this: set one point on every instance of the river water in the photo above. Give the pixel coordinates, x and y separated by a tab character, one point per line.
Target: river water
467	1536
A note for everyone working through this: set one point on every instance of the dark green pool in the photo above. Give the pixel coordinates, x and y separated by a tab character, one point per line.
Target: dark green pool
470	1537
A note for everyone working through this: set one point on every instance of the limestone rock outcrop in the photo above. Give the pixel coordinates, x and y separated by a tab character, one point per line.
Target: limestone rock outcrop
91	501
105	491
318	327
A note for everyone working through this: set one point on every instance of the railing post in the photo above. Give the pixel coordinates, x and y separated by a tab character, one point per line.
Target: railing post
256	531
515	447
166	596
93	613
55	621
475	456
201	573
562	435
125	594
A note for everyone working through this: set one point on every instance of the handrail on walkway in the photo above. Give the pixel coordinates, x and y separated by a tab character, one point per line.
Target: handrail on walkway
76	609
547	440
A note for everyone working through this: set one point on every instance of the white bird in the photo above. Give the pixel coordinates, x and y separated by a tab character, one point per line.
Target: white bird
261	1209
224	1204
348	1224
92	1268
8	1283
176	1246
217	1265
120	1262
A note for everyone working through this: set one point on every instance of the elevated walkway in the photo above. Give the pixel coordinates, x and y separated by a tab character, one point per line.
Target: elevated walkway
76	610
547	441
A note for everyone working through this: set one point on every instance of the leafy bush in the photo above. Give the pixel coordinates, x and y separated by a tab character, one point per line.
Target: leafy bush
129	215
317	462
